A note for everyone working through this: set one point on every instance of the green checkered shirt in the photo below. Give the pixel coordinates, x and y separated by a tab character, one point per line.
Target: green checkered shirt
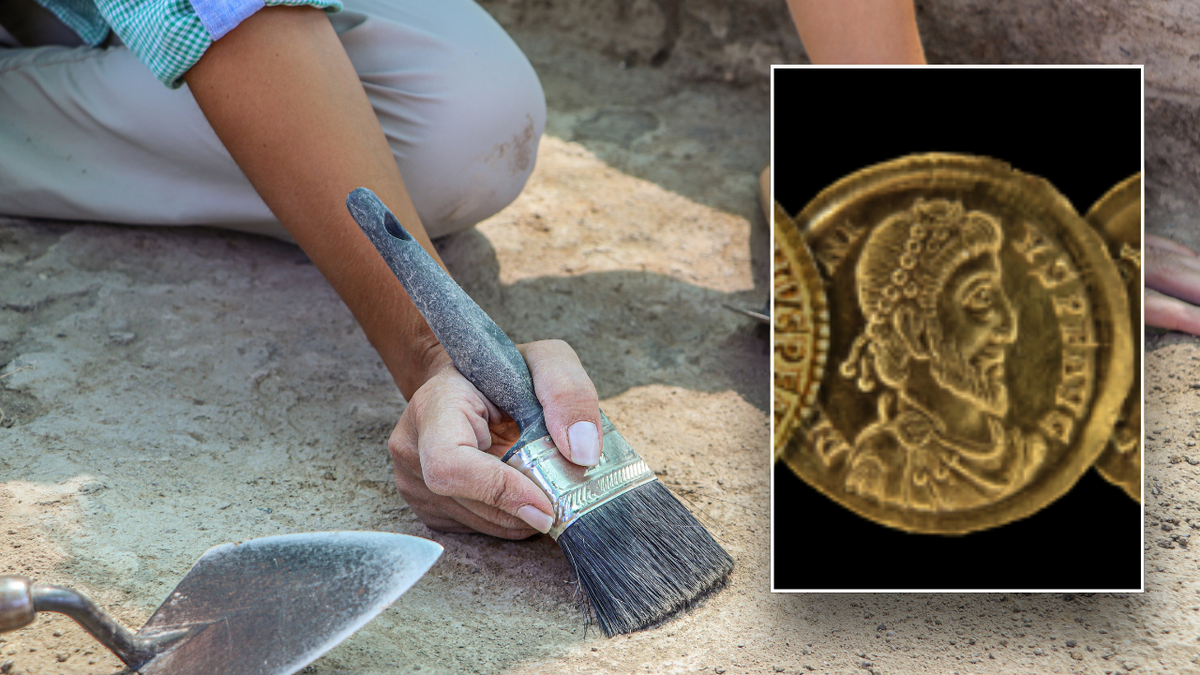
169	36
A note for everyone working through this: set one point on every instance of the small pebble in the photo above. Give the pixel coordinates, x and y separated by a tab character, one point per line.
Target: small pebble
719	670
891	633
121	338
1071	643
1038	651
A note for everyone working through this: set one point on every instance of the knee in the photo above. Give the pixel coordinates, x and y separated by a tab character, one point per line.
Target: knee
476	167
462	109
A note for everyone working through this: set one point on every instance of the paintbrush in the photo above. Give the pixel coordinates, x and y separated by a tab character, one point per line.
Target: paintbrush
638	553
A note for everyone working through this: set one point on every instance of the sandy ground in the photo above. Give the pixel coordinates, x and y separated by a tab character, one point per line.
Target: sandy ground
166	390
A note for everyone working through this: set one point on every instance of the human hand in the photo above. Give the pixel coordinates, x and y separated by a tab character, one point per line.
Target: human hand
447	446
1172	286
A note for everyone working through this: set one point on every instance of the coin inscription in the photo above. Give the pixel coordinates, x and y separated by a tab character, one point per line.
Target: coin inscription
974	357
801	335
1118	217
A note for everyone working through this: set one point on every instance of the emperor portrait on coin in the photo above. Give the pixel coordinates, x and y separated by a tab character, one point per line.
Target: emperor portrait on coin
938	329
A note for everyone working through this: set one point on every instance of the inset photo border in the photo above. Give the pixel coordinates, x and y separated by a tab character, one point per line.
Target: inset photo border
1078	127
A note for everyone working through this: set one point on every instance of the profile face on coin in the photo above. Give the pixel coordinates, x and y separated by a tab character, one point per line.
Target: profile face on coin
974	358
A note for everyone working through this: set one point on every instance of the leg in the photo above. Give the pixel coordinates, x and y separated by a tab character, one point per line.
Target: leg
89	134
858	31
466	115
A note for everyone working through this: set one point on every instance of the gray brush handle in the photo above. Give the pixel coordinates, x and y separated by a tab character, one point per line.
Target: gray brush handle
480	350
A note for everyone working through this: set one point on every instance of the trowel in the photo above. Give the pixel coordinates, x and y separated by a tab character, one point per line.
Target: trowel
266	606
763	316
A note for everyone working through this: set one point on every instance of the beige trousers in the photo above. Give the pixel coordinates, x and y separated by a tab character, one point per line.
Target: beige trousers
90	134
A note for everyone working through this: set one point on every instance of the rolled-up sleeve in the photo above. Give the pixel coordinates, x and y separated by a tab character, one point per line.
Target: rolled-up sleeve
169	36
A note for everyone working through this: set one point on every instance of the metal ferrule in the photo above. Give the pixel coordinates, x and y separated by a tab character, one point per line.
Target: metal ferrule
574	490
16	603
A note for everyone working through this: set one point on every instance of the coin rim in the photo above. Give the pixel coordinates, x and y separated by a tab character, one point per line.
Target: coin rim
806	269
1099	216
1106	289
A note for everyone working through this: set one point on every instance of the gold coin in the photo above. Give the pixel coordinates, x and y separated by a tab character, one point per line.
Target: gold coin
979	347
1118	217
801	332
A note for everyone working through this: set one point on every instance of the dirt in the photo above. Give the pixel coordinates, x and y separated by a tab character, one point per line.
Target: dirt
167	390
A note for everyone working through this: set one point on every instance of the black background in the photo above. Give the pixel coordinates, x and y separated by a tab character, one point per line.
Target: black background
1080	128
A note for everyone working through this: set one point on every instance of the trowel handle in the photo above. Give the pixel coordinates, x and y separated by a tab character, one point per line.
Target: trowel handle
21	600
480	350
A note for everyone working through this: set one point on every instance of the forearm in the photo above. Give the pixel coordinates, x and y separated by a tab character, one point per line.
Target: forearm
858	31
284	99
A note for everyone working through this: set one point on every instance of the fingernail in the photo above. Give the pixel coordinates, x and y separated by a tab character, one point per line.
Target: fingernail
585	446
537	519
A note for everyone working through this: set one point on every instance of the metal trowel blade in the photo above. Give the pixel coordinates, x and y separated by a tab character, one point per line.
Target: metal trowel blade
271	606
762	317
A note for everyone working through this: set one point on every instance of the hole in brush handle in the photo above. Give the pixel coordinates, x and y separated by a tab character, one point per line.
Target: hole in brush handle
394	227
478	347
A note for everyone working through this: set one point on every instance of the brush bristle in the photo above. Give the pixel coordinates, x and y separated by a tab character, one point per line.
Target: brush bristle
642	557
